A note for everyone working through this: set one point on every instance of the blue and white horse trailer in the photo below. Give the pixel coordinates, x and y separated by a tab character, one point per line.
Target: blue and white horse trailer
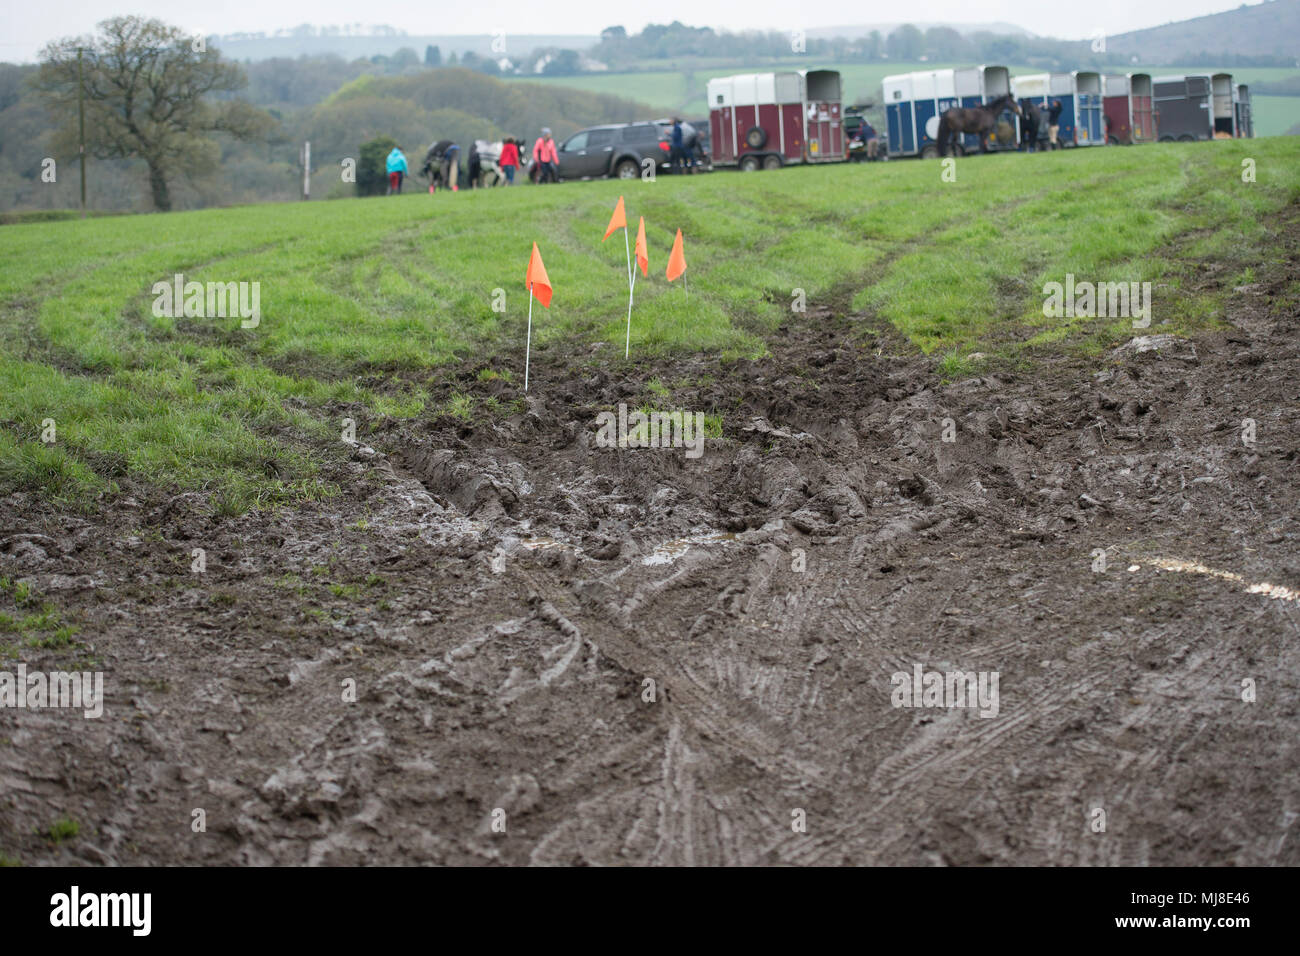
915	101
913	104
1080	95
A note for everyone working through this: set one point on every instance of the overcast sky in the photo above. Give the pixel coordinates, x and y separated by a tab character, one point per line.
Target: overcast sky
25	26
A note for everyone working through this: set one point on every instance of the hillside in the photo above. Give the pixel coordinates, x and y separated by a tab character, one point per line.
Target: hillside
1269	28
416	109
253	48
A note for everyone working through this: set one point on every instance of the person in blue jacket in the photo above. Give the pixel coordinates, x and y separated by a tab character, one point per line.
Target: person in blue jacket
677	155
396	170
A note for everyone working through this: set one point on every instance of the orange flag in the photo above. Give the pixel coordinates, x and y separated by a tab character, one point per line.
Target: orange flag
642	256
616	221
536	279
676	258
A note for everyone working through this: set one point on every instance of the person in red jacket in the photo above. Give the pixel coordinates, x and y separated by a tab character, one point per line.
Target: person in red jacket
545	157
509	160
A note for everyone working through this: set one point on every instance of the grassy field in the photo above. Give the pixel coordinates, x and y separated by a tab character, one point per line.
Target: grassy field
683	92
368	307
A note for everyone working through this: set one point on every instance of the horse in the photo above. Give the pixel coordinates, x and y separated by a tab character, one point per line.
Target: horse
973	119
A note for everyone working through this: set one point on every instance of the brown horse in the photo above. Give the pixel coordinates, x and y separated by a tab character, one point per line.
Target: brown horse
973	119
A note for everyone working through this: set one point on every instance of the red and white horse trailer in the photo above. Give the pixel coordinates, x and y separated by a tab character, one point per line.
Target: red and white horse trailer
1129	117
769	120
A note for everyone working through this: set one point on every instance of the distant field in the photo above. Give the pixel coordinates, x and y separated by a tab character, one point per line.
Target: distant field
685	93
1274	115
363	301
678	92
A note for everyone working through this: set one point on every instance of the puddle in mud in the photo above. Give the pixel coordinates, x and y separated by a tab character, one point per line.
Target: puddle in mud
670	551
543	544
1275	591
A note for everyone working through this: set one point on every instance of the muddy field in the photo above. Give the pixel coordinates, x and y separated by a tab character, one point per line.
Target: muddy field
502	593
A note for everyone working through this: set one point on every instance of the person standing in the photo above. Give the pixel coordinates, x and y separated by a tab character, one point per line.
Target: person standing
475	166
693	149
451	166
545	157
509	161
1029	120
396	167
1054	124
677	150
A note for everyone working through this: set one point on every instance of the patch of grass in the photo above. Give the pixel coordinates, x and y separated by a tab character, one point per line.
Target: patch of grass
459	405
955	365
26	613
64	828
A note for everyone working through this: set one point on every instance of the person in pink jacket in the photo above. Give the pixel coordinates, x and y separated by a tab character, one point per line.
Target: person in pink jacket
545	157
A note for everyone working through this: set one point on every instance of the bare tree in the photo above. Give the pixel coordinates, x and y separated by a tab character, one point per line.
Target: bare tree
151	93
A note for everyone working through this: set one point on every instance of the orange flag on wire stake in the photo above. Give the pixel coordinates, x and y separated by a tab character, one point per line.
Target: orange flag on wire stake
536	279
616	221
642	256
676	258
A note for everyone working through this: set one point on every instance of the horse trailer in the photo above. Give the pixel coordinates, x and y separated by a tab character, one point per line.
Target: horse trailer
1127	106
769	120
1196	106
914	103
1081	103
1241	103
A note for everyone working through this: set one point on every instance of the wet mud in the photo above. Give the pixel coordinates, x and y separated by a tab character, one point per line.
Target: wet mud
503	644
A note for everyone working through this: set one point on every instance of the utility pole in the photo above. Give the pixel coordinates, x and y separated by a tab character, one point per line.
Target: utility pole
81	123
306	170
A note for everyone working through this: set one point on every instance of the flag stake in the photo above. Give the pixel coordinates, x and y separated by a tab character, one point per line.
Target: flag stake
631	284
627	345
528	348
628	250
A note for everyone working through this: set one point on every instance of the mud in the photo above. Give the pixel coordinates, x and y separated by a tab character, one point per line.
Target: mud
503	590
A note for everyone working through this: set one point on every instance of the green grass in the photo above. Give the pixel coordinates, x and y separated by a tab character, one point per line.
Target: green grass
64	828
28	620
369	305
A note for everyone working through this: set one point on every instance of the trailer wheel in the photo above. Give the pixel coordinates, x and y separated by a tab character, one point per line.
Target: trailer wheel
749	164
1186	139
930	152
756	138
771	161
1166	139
